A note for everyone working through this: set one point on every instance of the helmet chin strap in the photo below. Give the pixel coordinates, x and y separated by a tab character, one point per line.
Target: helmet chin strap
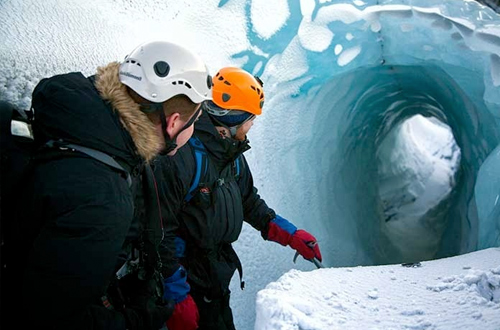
170	143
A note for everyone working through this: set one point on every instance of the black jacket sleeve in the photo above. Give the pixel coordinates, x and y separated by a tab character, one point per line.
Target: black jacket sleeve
255	209
173	176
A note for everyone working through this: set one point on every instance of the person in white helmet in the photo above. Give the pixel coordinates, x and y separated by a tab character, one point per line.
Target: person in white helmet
90	211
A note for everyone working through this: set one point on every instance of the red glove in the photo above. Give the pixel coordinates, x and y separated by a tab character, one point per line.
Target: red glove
285	233
305	244
185	316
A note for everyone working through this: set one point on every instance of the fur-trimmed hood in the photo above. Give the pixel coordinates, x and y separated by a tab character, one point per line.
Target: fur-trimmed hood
141	129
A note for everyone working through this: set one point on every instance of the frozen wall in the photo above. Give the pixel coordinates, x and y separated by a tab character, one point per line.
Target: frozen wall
339	78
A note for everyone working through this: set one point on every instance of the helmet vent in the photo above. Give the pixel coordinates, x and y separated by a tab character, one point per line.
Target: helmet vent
180	82
227	83
226	97
161	69
256	89
133	62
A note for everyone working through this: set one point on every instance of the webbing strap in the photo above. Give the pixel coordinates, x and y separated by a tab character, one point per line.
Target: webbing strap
237	162
102	157
93	153
199	154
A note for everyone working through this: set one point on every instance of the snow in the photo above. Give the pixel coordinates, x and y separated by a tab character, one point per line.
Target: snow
315	37
338	49
307	7
294	57
340	77
460	292
269	16
348	55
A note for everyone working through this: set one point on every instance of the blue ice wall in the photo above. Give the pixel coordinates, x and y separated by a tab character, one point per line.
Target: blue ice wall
402	58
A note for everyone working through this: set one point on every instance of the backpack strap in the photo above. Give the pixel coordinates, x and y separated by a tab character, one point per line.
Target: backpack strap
200	156
237	167
234	257
93	153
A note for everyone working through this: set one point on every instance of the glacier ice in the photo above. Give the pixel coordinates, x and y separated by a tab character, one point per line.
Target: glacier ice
352	74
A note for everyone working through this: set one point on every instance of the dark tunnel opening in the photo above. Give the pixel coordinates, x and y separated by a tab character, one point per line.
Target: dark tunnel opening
418	163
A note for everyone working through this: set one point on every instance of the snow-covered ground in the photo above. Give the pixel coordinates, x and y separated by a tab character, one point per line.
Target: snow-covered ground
454	293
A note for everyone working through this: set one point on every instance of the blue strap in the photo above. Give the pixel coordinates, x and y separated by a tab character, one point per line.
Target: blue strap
199	154
237	162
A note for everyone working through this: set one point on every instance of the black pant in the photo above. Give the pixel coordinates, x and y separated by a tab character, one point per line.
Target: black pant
215	314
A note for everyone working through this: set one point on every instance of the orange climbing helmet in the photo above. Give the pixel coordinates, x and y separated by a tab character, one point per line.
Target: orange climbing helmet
236	89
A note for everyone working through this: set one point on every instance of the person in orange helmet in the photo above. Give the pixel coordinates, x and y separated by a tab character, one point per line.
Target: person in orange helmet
209	192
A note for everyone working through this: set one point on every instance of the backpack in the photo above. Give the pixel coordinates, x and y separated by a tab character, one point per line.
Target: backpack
16	145
17	150
201	158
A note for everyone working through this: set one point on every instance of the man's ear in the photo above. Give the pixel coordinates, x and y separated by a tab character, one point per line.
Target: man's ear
174	124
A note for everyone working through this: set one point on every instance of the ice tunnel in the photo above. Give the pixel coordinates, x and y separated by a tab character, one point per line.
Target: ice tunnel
360	71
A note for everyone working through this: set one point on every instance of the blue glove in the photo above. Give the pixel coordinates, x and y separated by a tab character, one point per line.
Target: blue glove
176	287
180	247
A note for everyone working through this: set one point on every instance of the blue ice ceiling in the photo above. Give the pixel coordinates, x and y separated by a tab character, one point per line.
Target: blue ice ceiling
347	73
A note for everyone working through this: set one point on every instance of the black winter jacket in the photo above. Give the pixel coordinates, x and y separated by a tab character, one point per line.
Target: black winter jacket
80	214
209	225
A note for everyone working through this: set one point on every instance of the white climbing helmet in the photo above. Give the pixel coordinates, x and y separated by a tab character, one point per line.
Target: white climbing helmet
160	70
